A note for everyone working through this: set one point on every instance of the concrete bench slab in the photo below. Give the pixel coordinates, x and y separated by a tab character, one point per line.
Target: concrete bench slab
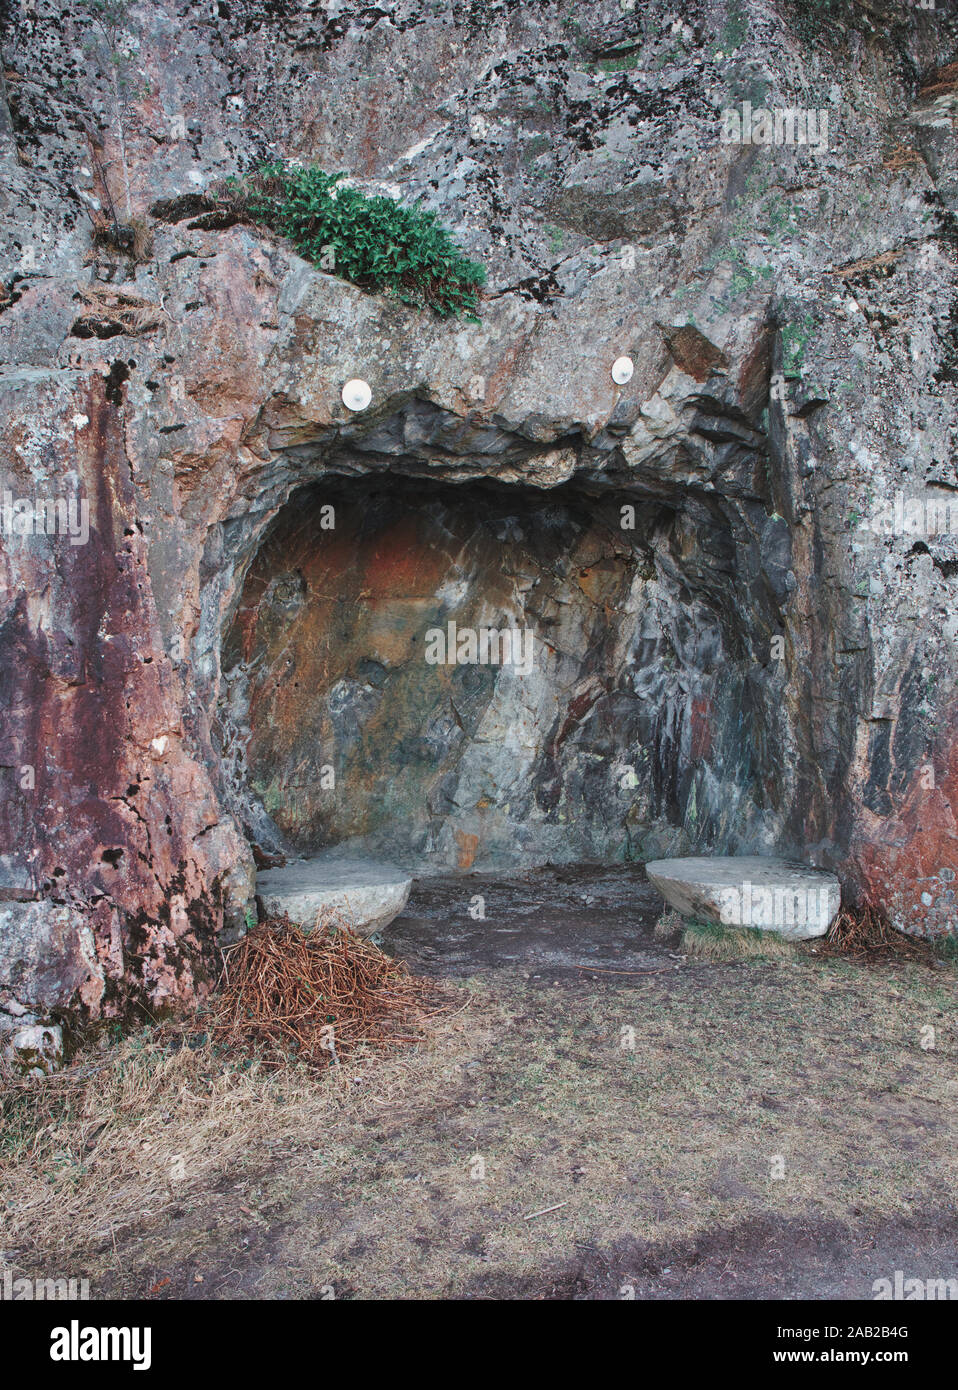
362	894
781	895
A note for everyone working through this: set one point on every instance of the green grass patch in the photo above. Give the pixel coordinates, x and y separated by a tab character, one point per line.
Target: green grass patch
715	942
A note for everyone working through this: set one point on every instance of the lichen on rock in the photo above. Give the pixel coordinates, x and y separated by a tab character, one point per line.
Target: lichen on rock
733	655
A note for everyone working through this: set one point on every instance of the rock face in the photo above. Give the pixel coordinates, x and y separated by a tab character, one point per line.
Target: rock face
350	731
741	642
771	894
35	1049
361	894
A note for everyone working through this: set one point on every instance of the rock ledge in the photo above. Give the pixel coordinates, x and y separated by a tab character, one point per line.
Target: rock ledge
364	895
781	895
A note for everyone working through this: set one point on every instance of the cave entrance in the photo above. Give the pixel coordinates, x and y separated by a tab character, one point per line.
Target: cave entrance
357	708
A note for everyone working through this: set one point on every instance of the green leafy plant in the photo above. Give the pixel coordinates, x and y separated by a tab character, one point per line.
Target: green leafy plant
376	243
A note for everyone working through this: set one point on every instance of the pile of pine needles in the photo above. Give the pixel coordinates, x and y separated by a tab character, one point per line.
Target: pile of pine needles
316	997
865	933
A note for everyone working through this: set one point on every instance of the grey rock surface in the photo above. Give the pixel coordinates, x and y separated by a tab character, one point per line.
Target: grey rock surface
35	1049
362	895
748	890
47	952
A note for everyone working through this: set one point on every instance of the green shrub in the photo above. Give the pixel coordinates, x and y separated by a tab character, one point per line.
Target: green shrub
376	243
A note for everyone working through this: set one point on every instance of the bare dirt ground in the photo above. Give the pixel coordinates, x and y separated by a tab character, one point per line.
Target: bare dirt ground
598	1116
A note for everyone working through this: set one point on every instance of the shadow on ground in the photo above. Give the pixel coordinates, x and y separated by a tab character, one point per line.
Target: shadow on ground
550	924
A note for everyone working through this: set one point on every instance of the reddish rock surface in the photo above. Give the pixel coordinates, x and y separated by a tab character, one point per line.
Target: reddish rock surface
748	669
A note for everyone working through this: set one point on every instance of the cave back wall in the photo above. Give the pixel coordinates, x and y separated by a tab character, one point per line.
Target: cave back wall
631	706
751	666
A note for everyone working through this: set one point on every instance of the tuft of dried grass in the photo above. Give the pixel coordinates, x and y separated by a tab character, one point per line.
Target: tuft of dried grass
866	934
239	198
901	157
668	924
121	1135
316	997
133	239
107	311
714	942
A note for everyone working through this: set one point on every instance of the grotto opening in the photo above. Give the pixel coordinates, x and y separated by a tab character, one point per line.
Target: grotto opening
641	712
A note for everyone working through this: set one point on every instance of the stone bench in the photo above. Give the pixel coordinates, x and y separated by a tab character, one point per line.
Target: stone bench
781	895
362	894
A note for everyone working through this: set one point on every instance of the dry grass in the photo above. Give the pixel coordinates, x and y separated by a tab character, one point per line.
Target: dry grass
866	934
99	1144
863	934
127	1129
652	1108
901	157
108	311
140	1126
941	82
869	265
710	941
668	924
133	239
316	997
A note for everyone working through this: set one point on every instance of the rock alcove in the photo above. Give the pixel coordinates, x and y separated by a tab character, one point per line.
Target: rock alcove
753	669
645	719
